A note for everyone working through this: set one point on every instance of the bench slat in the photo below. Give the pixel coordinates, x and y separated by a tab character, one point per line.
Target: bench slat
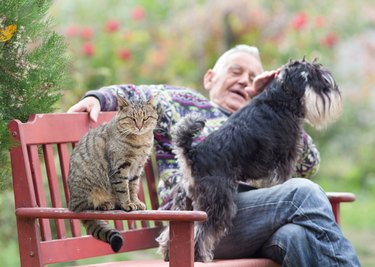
86	246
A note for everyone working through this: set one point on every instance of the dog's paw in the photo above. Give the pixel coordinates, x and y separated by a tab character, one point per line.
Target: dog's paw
163	240
163	250
203	258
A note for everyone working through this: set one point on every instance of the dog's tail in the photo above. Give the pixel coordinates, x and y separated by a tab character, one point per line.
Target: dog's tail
184	132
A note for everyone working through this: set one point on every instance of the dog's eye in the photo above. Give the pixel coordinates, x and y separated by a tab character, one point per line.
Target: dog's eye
305	75
328	78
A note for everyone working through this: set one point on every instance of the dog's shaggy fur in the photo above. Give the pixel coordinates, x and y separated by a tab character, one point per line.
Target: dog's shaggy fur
258	142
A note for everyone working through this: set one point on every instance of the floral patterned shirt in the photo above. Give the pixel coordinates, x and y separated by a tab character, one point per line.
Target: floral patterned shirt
173	104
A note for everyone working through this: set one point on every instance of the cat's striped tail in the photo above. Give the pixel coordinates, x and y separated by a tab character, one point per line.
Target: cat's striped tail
184	132
103	231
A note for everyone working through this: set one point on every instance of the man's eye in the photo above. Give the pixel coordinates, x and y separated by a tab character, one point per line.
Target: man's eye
236	72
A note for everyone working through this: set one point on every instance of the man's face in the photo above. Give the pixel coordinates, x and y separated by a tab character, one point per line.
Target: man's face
229	85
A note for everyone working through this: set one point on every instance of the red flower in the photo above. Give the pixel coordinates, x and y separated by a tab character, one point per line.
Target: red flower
300	21
124	54
88	49
330	40
138	13
87	33
112	26
72	31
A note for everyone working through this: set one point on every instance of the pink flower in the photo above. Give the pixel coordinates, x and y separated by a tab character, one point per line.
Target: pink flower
88	49
330	40
320	21
112	26
71	31
300	21
87	33
124	54
138	13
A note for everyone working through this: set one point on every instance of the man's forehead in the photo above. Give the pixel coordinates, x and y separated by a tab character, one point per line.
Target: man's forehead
243	60
253	70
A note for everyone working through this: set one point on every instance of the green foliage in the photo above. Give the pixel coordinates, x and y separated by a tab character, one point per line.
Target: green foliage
347	151
32	65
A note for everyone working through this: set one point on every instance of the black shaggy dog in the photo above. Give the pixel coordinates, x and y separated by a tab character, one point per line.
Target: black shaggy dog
258	142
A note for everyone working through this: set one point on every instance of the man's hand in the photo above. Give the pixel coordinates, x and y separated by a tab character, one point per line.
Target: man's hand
89	104
261	81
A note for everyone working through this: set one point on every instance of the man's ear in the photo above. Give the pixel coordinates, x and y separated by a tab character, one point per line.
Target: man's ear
207	80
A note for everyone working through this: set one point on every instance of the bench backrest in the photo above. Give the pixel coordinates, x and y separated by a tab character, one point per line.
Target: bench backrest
40	163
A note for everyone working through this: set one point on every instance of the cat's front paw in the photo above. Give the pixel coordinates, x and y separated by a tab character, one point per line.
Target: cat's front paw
128	207
138	205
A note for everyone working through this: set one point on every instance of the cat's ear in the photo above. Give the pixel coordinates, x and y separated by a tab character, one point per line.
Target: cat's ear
121	101
153	100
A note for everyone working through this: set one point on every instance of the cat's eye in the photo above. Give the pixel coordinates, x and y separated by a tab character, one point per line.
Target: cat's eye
149	117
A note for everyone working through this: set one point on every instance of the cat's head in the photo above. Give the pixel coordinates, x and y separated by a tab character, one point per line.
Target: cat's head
137	116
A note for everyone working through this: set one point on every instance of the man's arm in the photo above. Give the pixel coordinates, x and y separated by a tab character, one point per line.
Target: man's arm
103	99
88	104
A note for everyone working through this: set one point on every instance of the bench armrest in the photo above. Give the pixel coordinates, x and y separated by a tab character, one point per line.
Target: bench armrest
335	198
154	215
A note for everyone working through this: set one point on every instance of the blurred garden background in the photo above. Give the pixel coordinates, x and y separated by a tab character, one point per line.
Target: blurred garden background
175	42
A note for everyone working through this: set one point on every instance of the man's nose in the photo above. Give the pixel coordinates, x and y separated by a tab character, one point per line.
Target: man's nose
244	80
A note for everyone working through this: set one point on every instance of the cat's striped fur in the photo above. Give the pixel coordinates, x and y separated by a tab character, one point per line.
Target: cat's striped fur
106	164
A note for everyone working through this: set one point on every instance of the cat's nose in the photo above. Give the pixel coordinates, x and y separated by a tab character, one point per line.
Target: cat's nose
139	125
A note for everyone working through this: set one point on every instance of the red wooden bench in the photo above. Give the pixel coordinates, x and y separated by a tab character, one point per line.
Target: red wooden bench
49	233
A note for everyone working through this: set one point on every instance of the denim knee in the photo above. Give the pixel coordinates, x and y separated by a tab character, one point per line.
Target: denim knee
307	197
303	184
286	244
304	187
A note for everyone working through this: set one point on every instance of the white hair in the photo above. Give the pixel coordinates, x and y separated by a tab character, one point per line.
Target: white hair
252	50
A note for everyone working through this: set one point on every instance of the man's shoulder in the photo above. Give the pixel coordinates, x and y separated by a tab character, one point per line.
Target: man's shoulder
185	96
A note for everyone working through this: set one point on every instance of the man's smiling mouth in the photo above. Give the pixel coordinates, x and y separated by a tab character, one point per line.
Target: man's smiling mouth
240	92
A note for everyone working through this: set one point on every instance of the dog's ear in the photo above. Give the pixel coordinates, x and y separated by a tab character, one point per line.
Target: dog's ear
281	76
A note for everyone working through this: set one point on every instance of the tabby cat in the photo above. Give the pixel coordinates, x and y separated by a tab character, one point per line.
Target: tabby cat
107	162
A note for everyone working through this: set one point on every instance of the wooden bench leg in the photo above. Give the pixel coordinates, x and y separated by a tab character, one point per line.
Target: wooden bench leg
181	244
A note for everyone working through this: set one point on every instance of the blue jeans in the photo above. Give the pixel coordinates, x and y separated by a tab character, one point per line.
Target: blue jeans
292	224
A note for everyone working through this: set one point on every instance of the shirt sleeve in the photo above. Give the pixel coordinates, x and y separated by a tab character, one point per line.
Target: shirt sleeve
107	95
309	160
